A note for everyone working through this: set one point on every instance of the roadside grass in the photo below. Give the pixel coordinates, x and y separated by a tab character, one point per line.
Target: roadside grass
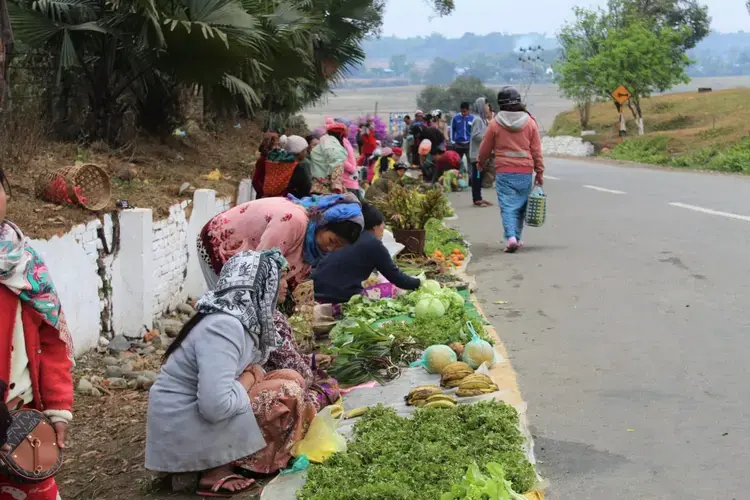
708	131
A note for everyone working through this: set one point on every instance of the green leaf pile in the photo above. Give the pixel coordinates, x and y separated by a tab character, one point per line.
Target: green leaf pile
438	236
395	458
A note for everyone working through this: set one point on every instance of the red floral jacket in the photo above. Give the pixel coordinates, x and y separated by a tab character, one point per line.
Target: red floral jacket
49	365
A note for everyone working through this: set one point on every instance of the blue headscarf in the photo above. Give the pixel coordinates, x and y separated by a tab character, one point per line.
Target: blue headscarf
322	211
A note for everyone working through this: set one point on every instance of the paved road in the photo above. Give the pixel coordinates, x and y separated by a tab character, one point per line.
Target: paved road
629	325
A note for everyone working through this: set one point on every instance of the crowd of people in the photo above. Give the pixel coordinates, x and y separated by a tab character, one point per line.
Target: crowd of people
235	392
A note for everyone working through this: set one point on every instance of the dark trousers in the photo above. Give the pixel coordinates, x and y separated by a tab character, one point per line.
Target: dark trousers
476	182
462	150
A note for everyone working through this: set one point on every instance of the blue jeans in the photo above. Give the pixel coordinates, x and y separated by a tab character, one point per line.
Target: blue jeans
512	195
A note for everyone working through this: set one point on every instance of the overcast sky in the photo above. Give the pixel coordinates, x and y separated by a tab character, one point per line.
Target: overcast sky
411	17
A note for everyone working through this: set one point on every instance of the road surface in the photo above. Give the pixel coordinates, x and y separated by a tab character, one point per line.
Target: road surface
628	323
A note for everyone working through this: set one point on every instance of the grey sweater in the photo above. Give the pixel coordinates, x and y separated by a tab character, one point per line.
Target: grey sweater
199	415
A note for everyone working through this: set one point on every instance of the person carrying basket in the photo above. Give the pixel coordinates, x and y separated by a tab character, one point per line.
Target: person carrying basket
513	135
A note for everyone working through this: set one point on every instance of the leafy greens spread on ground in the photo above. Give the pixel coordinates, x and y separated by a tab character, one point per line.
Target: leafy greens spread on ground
396	458
440	237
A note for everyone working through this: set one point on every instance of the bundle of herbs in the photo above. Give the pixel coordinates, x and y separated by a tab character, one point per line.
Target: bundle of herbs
407	209
395	458
361	354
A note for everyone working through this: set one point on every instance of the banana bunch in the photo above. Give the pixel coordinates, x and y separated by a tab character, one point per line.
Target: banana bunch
440	401
475	385
418	395
454	373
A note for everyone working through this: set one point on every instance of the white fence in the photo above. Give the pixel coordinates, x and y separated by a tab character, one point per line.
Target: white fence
117	274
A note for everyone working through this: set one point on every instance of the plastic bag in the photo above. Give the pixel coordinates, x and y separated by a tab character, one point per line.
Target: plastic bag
477	351
322	439
435	358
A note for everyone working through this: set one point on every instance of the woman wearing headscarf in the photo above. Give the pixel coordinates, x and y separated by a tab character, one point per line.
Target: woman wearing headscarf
213	407
328	159
285	172
383	164
303	229
36	348
481	112
269	143
513	136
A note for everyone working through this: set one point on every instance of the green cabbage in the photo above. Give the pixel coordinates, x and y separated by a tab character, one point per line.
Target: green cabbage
432	287
429	307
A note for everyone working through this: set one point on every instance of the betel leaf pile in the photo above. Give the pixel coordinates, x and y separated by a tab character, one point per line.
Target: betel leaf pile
396	458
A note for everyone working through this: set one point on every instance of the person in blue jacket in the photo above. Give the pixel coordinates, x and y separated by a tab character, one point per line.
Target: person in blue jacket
339	276
460	131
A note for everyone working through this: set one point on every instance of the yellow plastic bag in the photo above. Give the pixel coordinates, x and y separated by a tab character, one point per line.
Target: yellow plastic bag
322	439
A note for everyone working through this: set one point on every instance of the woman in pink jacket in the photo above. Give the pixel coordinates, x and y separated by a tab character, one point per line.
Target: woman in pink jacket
351	171
513	136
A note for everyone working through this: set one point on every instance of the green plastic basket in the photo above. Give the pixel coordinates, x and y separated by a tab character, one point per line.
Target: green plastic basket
536	208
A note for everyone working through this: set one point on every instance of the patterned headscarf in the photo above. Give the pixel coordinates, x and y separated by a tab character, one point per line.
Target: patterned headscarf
248	289
323	210
24	272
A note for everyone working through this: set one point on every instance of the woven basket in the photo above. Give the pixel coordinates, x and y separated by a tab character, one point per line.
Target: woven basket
536	208
87	185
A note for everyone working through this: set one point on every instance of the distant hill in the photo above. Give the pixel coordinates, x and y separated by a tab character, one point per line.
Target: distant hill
718	55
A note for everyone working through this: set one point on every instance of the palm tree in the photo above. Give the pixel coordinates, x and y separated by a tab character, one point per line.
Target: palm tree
134	55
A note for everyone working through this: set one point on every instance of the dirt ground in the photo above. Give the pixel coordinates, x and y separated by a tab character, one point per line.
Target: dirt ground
148	175
105	450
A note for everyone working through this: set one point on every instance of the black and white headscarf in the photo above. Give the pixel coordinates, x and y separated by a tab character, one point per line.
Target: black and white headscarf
248	289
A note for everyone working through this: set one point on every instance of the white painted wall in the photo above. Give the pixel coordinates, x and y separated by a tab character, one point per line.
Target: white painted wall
154	268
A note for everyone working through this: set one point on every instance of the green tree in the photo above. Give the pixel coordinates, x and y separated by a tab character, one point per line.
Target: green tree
463	88
673	14
133	57
399	64
602	50
440	72
644	60
442	7
579	42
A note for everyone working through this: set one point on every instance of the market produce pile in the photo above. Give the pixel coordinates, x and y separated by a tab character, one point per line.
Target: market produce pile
425	457
377	335
444	244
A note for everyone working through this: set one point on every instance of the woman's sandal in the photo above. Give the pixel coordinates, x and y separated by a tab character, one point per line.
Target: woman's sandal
219	491
482	204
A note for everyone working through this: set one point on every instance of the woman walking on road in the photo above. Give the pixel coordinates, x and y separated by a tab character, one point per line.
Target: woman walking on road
478	128
514	137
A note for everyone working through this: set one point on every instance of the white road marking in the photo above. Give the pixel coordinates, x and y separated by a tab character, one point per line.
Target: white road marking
604	190
551	178
711	212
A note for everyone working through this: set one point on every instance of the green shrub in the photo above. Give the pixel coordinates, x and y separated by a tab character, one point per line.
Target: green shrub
735	159
678	122
654	150
697	159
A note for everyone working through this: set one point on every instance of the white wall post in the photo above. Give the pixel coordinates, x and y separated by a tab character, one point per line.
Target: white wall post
245	192
204	207
132	274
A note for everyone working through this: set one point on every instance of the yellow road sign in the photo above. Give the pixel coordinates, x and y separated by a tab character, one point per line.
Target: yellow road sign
621	95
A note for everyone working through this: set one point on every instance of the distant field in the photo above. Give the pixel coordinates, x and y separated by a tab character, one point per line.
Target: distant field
544	100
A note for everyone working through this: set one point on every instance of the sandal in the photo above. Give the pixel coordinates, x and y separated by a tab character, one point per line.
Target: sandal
512	246
482	203
219	491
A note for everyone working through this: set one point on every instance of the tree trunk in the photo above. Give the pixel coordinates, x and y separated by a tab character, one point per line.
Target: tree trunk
584	112
6	53
638	109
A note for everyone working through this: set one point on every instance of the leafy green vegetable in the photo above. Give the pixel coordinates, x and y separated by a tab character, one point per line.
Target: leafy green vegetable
438	236
362	354
369	310
477	486
395	458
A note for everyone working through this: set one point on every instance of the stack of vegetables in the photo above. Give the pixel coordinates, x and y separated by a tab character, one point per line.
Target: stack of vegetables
376	336
428	457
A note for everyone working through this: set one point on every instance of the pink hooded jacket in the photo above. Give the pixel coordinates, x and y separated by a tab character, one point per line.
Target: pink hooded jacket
514	138
351	172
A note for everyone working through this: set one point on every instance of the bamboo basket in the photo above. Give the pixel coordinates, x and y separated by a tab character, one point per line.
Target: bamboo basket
86	184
